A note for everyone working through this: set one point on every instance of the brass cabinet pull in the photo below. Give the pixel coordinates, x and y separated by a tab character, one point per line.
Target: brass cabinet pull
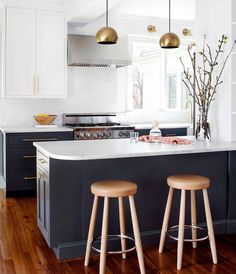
37	89
34	84
171	134
30	178
29	156
39	140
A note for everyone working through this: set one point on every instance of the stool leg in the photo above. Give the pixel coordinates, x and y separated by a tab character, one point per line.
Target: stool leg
137	237
122	225
181	230
194	217
166	219
104	237
91	230
210	226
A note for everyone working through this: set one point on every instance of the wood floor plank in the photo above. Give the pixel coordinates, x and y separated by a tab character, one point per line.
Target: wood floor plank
23	250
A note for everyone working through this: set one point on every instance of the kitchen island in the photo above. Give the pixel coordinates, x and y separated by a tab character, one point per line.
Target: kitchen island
66	170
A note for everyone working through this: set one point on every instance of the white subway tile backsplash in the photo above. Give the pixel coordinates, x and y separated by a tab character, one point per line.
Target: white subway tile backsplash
90	90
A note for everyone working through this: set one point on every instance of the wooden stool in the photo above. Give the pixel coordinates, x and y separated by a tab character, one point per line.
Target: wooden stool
114	189
191	183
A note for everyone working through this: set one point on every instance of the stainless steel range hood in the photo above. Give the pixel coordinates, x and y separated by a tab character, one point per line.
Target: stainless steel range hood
84	51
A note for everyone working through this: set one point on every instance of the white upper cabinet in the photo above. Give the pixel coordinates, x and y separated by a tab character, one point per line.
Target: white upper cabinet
51	60
35	53
20	55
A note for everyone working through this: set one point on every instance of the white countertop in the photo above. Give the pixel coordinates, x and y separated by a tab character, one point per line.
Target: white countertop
34	129
162	125
122	148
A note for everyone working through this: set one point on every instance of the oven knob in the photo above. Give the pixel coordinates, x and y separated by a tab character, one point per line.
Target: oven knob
81	135
121	133
102	134
127	134
95	135
108	135
88	135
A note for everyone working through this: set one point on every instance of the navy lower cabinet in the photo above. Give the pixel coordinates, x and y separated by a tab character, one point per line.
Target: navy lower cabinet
142	132
165	131
173	132
232	192
20	159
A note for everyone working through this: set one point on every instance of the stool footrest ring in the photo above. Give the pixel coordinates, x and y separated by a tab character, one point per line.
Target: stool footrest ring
172	228
115	237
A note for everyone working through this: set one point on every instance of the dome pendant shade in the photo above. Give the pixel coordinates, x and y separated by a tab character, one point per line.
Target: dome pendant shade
169	41
107	36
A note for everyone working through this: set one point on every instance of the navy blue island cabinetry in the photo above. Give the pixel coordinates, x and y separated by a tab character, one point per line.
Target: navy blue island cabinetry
19	158
65	201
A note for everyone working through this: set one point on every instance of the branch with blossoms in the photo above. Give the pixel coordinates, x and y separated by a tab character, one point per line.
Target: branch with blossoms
204	80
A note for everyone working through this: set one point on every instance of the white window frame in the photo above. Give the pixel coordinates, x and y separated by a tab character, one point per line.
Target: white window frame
163	104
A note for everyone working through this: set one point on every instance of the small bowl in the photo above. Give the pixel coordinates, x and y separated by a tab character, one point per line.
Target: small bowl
45	120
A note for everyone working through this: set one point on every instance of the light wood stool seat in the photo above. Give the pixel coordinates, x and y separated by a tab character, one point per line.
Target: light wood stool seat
190	183
114	189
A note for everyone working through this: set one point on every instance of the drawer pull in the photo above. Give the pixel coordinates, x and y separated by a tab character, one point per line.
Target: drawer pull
42	161
29	178
29	156
171	134
40	140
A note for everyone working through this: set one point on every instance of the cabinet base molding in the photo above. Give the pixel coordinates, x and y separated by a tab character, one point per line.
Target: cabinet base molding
20	193
231	226
77	249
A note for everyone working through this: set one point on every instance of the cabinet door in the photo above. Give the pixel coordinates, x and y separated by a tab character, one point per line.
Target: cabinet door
51	53
20	52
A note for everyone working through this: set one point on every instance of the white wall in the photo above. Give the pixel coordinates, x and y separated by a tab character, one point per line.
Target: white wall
131	24
149	116
213	18
89	90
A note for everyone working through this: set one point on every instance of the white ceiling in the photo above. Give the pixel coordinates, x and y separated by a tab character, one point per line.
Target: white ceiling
130	16
181	9
86	11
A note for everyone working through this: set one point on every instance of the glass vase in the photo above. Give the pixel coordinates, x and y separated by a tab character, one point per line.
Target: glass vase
203	132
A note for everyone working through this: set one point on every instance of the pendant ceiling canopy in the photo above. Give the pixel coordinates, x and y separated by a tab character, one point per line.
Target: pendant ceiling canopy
169	40
107	35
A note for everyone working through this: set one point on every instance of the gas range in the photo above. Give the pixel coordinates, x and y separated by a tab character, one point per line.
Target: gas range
96	126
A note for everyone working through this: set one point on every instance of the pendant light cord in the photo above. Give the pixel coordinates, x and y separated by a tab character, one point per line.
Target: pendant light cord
169	16
106	13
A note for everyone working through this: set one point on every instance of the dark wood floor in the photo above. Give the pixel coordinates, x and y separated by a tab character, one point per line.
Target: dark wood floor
23	250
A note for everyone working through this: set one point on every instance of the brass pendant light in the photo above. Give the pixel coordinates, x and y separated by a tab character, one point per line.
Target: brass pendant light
106	35
169	40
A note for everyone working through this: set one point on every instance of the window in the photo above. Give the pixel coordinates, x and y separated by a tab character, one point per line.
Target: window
157	78
146	76
172	90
